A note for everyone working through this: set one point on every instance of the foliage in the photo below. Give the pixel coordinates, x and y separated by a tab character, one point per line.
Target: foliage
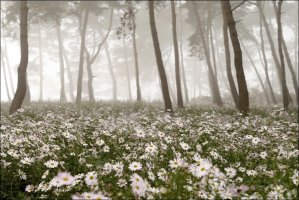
128	150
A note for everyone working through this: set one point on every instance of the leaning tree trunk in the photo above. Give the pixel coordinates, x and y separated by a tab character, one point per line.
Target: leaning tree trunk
61	62
40	63
230	78
214	83
177	59
277	64
127	69
21	87
69	75
256	72
266	65
212	43
243	92
182	59
80	73
136	62
5	78
27	98
114	84
283	76
160	65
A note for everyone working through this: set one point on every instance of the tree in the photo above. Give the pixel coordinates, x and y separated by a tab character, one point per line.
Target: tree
160	65
21	87
5	77
283	76
177	59
212	79
232	85
81	61
243	92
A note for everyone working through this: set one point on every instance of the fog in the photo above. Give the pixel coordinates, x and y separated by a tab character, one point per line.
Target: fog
42	24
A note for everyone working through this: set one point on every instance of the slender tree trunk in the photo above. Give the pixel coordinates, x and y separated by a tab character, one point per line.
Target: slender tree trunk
127	69
80	73
61	62
69	76
277	64
182	59
21	87
89	82
280	38
27	98
266	65
5	78
214	83
136	63
9	67
212	43
243	92
177	58
256	72
230	78
40	63
111	72
160	65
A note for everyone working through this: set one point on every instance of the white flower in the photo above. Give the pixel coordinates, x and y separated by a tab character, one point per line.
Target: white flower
176	163
263	154
184	146
295	177
139	186
29	188
230	172
91	178
65	178
27	160
255	140
51	164
135	166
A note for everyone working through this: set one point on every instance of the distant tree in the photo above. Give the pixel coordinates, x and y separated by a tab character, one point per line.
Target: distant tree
160	65
5	77
177	58
21	87
243	91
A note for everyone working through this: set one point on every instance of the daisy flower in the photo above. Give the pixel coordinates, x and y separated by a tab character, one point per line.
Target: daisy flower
65	178
91	178
51	164
135	166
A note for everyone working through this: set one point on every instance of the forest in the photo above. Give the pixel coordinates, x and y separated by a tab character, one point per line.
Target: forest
149	99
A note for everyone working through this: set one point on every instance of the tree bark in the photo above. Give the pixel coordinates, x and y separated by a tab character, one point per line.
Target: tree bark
243	92
214	83
182	59
127	69
230	78
177	58
114	84
21	87
69	76
160	65
283	76
266	65
136	62
61	62
277	64
80	73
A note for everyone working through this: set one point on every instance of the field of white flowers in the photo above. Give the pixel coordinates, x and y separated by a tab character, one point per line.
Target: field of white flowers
136	151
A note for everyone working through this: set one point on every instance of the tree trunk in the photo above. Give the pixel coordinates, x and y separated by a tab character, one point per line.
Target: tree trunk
160	65
136	63
182	59
212	43
256	72
214	83
61	62
243	92
89	82
69	75
266	65
5	78
8	66
40	63
114	84
280	38
177	59
80	73
127	70
27	98
277	64
230	78
21	87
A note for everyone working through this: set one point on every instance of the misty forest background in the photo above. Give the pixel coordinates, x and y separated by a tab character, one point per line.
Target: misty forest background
149	99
